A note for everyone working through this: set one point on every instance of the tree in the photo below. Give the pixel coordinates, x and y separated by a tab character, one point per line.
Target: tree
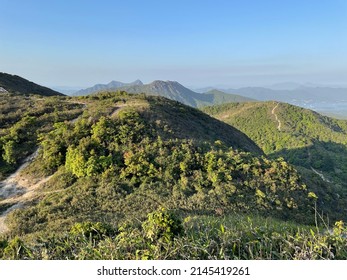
9	155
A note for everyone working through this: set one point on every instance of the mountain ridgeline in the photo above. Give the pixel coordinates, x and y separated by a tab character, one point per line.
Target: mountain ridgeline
19	85
169	89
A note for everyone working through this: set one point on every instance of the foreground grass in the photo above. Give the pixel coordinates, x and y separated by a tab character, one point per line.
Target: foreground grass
165	236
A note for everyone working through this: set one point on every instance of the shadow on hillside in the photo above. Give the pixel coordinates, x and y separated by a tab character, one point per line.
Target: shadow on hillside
175	119
323	167
325	156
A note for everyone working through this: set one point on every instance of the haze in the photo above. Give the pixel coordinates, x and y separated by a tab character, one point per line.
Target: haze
199	43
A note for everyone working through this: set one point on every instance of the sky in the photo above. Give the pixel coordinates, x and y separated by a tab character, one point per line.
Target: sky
227	43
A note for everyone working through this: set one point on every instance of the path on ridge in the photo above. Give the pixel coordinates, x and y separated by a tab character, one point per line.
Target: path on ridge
276	117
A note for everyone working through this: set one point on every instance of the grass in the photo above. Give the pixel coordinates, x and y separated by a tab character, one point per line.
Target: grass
229	237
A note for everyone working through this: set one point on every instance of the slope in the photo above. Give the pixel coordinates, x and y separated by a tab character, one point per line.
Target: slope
16	84
316	144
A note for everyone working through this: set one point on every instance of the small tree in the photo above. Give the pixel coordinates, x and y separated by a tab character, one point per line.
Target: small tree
162	225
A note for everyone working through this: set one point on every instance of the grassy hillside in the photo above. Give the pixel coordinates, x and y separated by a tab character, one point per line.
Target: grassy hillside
316	144
19	85
138	177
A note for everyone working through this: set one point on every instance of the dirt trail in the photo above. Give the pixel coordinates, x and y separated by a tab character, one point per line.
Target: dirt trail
236	112
320	174
17	190
117	109
276	117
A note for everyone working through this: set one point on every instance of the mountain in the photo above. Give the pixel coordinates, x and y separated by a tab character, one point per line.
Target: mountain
16	84
113	85
169	89
315	144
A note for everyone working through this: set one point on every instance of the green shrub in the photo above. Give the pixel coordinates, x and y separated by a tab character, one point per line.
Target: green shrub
162	225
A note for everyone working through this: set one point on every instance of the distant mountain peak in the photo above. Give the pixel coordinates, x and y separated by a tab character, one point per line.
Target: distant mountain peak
137	82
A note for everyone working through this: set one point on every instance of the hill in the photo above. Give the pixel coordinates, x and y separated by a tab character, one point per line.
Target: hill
330	101
128	156
315	144
171	90
16	84
111	86
144	177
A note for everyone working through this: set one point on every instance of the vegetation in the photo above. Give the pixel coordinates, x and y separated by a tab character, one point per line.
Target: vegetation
315	144
22	119
164	235
138	177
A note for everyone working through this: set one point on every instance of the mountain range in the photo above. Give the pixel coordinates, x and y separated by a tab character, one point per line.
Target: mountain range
169	89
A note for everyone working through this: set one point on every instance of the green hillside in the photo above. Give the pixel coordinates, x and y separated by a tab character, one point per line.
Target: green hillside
22	119
316	144
19	85
144	177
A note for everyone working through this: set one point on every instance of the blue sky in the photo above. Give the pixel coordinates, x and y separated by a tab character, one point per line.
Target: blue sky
198	43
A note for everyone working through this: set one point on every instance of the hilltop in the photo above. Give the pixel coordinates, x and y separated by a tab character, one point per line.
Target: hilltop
15	84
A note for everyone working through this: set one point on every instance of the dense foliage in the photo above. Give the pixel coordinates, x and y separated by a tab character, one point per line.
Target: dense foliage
315	144
22	119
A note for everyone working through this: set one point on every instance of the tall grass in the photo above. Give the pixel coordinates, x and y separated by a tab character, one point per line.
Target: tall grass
231	237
